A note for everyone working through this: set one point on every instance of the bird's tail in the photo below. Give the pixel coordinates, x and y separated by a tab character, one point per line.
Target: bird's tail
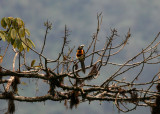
83	66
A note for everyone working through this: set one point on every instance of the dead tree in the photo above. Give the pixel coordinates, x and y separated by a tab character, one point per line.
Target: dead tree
68	83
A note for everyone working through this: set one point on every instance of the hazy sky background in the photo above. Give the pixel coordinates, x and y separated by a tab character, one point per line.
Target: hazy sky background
142	16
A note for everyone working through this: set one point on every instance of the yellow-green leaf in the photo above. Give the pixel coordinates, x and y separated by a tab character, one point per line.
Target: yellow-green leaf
8	21
8	39
13	33
37	67
21	32
2	35
23	39
19	45
10	18
27	32
3	23
31	42
15	44
18	42
14	23
20	48
27	49
33	62
19	22
8	36
24	46
24	43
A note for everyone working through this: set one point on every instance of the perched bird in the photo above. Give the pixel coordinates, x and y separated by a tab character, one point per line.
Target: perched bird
81	56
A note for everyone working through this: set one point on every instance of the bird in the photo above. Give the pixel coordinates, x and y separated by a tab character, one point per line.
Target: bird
80	55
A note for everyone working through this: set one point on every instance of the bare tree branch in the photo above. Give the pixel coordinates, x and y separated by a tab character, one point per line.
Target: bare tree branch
66	82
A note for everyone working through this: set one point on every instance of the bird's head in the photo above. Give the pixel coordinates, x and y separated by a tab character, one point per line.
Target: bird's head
81	47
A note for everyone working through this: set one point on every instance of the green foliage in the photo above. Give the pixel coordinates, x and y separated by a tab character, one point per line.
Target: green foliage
36	67
22	32
15	33
3	23
33	62
2	35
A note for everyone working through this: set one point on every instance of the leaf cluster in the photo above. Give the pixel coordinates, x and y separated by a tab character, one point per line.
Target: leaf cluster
15	33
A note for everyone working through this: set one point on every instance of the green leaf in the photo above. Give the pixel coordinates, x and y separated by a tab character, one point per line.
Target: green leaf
20	48
2	35
12	41
13	33
19	22
27	32
11	18
14	44
8	21
31	43
37	67
18	42
8	37
23	39
19	45
21	32
24	46
14	23
33	62
28	49
24	42
3	22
